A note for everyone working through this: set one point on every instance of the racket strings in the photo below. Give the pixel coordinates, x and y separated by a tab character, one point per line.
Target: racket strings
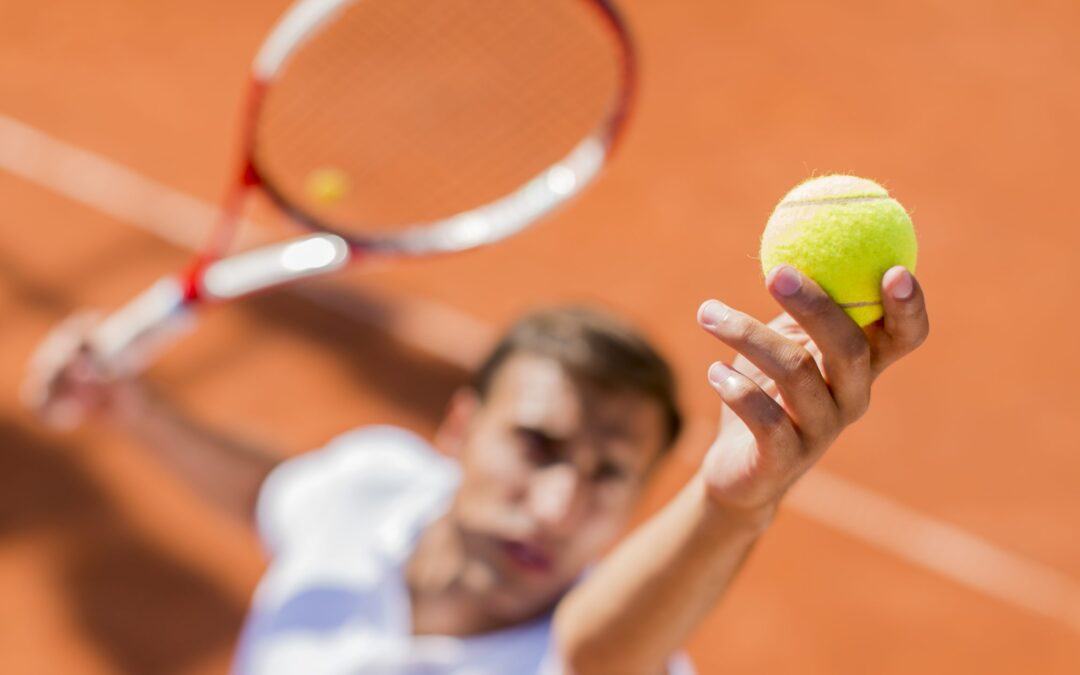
412	154
425	108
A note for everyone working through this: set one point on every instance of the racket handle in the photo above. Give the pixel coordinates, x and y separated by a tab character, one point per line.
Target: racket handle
129	339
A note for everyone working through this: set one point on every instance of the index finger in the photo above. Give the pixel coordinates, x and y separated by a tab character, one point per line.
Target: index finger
906	323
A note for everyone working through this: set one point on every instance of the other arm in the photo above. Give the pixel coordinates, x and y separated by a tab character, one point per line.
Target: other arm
798	383
64	386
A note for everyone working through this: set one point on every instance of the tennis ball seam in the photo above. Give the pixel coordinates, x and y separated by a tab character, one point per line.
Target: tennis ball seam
832	201
865	303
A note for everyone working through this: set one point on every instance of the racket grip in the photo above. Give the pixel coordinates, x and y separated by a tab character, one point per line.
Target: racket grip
131	338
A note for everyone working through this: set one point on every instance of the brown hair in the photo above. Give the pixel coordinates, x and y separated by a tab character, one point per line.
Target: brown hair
593	347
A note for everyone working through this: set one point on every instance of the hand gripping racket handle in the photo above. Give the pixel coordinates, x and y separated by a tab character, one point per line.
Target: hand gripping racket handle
131	338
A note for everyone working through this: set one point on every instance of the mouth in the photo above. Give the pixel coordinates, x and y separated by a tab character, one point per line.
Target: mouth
527	557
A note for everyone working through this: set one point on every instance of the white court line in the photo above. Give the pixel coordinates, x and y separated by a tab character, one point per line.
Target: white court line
920	539
936	545
181	219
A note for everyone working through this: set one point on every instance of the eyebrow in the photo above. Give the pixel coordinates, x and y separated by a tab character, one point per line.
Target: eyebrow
618	431
541	429
612	453
618	452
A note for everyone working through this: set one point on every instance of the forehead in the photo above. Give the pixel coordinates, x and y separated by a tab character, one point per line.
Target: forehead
535	390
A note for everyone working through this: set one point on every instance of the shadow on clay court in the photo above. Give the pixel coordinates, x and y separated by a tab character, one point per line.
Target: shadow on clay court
401	375
148	613
42	296
55	292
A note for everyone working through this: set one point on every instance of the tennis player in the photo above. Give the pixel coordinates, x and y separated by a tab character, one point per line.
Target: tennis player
480	550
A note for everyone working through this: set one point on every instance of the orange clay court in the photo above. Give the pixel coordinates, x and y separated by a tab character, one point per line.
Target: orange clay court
940	535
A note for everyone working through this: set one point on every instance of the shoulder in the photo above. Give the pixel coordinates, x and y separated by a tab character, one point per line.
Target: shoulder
365	473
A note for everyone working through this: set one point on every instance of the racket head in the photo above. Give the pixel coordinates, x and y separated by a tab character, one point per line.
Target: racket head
430	126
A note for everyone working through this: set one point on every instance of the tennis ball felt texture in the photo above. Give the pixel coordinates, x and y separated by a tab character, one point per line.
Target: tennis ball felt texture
843	232
326	185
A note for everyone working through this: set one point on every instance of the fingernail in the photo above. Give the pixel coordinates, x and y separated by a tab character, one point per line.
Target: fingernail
786	280
712	313
719	373
901	283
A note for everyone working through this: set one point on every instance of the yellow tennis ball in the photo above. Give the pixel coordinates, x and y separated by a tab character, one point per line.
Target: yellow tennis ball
326	185
844	232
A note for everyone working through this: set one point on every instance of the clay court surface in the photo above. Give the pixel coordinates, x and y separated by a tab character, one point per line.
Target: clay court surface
940	535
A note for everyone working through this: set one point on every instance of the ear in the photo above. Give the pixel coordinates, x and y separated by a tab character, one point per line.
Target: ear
453	431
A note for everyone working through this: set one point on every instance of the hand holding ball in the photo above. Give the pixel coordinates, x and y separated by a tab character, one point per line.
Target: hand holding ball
843	232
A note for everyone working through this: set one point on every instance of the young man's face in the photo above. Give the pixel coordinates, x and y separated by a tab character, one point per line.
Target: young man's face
552	471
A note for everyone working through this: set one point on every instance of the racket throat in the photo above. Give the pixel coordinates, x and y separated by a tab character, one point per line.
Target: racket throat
269	266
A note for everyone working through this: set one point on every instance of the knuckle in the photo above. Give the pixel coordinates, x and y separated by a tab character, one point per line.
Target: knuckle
802	366
818	305
767	415
921	334
826	419
774	418
856	352
911	331
741	328
909	342
856	407
757	409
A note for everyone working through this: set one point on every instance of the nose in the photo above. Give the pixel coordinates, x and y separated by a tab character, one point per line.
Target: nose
557	498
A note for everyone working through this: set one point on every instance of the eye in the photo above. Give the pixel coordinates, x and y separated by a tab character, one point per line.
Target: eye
540	448
609	472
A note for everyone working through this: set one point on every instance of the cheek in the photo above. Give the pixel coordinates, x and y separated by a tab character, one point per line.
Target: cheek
608	518
591	541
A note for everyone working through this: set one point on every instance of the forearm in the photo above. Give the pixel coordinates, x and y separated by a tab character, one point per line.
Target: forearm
645	599
225	470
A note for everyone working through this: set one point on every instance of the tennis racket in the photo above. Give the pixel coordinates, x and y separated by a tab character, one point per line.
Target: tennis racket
400	128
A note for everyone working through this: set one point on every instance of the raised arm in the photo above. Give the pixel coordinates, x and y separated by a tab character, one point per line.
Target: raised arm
64	387
798	382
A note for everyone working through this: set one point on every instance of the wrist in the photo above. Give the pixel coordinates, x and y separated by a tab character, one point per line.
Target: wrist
128	404
723	514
